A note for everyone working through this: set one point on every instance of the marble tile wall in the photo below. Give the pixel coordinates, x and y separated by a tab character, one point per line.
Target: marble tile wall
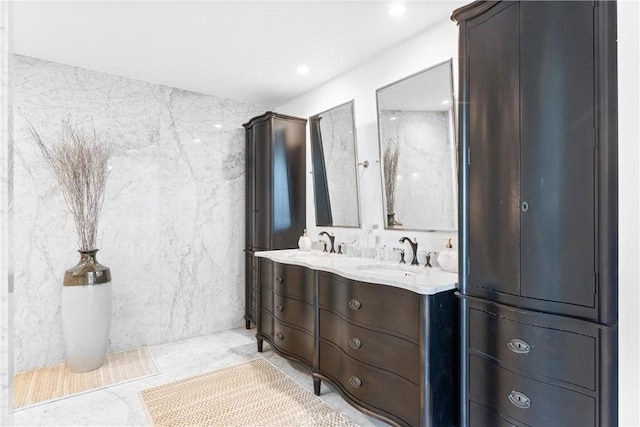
172	224
6	361
424	168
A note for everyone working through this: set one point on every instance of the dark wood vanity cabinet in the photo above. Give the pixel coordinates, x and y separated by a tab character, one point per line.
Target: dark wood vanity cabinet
538	212
537	369
275	208
390	352
540	152
287	312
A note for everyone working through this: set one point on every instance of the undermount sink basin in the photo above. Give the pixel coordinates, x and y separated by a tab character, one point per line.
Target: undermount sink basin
395	270
300	255
303	254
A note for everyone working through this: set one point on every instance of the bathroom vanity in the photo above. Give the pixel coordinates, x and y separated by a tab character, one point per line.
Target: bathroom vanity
385	335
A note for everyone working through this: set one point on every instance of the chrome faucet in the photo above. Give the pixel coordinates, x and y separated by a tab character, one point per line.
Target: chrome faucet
332	239
414	248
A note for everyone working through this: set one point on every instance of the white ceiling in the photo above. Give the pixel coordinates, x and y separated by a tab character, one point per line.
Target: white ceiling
242	50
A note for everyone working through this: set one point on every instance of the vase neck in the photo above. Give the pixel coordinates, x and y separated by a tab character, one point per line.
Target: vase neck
88	255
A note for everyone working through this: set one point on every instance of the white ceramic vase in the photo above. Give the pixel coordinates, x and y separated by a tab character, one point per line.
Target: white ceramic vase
86	313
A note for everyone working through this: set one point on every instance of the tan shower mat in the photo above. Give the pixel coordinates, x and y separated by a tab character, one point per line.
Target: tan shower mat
57	382
254	393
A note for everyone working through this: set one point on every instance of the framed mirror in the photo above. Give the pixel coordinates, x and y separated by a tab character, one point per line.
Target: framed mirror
418	151
335	178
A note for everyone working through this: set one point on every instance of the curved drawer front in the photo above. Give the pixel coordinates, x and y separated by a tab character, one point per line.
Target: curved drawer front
266	299
526	400
265	324
552	353
266	272
387	392
293	341
482	416
294	311
384	351
380	307
293	281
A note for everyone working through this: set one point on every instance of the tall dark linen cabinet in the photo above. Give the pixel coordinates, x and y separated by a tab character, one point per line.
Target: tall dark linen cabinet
538	213
275	210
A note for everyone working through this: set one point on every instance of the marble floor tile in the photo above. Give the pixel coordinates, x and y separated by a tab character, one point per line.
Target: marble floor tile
121	405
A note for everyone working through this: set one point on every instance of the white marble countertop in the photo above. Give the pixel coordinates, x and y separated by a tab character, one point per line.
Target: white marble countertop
415	278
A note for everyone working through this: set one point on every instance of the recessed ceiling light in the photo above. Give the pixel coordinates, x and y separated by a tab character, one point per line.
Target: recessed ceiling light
397	9
217	126
196	140
392	118
445	102
302	69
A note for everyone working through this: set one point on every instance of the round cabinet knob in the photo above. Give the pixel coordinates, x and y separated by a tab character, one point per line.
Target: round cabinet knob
280	336
524	206
279	280
279	308
519	400
355	381
355	343
354	304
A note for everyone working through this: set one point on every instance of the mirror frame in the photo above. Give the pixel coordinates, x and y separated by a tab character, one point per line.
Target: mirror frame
452	125
351	104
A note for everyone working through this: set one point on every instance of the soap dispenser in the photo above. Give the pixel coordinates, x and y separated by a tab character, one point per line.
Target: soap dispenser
304	242
448	258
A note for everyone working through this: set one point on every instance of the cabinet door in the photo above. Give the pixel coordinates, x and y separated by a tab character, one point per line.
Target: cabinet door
289	182
250	190
251	288
494	138
557	151
262	214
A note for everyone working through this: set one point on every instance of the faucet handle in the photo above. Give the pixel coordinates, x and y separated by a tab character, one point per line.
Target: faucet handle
340	248
402	261
428	260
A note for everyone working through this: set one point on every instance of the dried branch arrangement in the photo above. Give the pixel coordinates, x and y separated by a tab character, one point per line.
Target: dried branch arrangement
390	167
80	163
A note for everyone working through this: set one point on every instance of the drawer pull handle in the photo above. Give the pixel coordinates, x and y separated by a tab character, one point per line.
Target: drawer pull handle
519	346
354	304
355	343
279	280
519	400
280	336
279	308
355	381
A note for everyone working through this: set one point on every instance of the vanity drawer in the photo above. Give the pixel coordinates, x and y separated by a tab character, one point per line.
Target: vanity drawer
526	400
266	272
265	324
387	392
379	307
552	353
482	416
384	351
266	299
293	281
294	342
294	311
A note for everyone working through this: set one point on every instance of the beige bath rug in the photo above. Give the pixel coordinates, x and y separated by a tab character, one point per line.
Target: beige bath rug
57	382
254	393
